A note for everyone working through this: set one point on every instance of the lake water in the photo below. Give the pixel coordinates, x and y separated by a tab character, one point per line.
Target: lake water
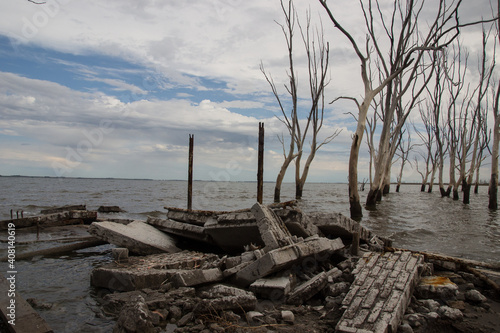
412	219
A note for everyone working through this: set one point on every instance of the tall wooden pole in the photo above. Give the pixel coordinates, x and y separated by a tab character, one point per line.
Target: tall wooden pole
260	169
190	173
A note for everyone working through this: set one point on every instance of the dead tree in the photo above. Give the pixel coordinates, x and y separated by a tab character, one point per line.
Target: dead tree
428	139
456	68
318	58
478	117
493	186
405	48
291	121
404	149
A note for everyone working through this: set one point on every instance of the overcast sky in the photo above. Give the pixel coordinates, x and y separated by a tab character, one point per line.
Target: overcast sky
113	89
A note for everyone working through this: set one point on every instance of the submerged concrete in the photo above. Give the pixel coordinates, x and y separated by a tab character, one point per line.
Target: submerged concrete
138	237
23	317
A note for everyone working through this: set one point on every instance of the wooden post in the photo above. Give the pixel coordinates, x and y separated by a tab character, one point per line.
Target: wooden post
190	173
260	169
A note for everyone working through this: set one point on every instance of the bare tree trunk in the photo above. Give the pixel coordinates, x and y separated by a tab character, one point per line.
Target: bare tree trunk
281	175
493	187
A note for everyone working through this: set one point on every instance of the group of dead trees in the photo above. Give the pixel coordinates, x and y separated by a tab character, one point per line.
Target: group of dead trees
301	130
408	63
454	119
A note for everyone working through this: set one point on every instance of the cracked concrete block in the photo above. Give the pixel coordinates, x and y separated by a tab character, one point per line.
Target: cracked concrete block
275	288
223	298
281	258
138	237
308	289
272	230
194	277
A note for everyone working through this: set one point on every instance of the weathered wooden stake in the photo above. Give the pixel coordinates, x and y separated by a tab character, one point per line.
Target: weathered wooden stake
260	169
190	173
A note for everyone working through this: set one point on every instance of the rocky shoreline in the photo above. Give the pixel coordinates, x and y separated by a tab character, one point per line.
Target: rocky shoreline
274	268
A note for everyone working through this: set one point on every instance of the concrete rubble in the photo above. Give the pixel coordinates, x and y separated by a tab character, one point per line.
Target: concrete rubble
271	267
138	237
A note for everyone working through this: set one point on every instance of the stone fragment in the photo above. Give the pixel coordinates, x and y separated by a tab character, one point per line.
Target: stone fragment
272	230
430	304
271	288
253	317
187	318
186	230
287	316
135	317
222	298
194	277
138	237
405	328
450	313
308	289
474	296
278	259
336	289
120	254
436	287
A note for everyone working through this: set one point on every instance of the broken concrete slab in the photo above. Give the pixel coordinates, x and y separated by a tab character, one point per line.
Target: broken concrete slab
436	287
138	237
155	299
149	272
233	237
272	230
308	289
197	217
281	258
381	292
190	231
275	288
298	223
194	277
338	225
222	298
54	219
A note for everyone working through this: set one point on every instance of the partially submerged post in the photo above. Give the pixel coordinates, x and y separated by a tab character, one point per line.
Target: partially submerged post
190	173
260	168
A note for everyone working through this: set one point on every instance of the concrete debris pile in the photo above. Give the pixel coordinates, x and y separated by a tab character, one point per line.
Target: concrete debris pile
269	267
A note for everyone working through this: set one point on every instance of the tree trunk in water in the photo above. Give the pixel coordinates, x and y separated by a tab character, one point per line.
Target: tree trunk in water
476	188
371	199
448	191
493	192
277	194
444	192
298	190
279	181
354	201
387	189
397	187
422	188
429	190
466	190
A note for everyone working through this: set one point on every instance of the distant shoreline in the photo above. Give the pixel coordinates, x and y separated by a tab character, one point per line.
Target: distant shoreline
196	180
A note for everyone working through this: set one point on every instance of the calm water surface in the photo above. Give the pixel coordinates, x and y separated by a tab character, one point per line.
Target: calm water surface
414	220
